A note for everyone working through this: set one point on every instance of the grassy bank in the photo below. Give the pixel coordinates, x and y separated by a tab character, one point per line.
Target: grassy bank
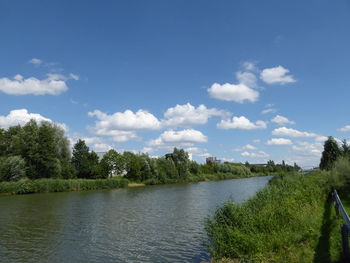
292	220
59	185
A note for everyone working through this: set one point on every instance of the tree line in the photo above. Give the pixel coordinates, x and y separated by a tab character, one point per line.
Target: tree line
41	150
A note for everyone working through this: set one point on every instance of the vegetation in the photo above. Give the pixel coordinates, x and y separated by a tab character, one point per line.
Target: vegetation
291	220
41	150
45	185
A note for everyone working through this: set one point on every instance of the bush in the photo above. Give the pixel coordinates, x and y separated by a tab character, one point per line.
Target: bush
12	168
274	226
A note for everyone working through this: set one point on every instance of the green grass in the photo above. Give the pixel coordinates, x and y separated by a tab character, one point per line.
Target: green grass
59	185
292	220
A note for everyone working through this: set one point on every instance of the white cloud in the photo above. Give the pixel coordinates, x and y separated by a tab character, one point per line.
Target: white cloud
241	123
256	141
259	154
124	121
198	152
22	116
276	75
279	141
233	92
248	65
35	61
182	138
284	131
54	84
245	147
74	76
247	78
308	149
281	120
321	138
187	115
101	147
268	111
346	128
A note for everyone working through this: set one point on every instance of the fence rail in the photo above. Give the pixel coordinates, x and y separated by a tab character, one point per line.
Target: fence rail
345	228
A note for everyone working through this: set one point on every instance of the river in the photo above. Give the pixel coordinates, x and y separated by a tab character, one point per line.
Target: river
142	224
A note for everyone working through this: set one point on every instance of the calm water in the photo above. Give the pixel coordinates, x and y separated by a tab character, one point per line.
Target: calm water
144	224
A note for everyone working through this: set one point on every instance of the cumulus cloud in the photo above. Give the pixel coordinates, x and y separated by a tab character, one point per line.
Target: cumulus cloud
233	92
53	84
247	78
187	115
127	120
281	120
22	116
35	61
241	123
279	141
346	128
288	132
240	92
185	137
276	75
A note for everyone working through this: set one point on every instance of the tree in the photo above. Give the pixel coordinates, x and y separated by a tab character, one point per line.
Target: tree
84	162
12	168
112	163
182	162
330	154
345	149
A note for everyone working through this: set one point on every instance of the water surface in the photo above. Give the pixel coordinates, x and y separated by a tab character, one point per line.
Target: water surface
143	224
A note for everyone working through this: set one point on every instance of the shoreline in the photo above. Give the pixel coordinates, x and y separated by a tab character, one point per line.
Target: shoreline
28	186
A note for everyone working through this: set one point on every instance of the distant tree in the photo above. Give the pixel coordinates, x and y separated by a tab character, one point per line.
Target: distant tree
271	167
330	154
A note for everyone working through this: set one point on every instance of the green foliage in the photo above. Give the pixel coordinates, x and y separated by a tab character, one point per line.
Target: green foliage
330	154
84	161
112	164
59	185
277	225
12	168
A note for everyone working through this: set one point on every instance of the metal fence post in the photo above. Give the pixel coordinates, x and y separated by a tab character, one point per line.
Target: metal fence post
345	241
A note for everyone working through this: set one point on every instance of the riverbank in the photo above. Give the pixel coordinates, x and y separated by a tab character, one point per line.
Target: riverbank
291	220
27	186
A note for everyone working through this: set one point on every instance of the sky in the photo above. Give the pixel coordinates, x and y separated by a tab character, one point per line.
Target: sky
244	80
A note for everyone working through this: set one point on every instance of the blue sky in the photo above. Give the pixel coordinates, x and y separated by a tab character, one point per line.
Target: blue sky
240	80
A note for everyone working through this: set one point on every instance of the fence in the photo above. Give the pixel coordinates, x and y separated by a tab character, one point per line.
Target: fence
345	228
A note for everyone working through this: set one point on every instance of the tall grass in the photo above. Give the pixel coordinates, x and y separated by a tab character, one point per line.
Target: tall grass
280	224
59	185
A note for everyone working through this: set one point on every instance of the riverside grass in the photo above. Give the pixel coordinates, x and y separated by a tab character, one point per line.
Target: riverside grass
27	186
291	220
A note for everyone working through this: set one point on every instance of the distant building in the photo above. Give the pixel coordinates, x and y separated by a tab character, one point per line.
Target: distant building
212	159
